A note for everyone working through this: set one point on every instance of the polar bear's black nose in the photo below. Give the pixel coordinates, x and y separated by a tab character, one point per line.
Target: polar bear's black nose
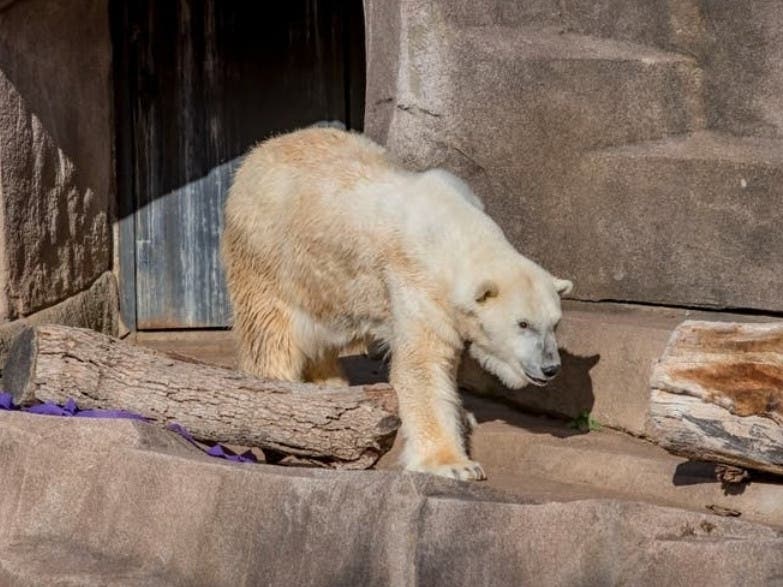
551	370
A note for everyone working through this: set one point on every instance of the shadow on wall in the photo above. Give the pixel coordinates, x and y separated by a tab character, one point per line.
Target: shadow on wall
58	62
197	84
200	82
571	394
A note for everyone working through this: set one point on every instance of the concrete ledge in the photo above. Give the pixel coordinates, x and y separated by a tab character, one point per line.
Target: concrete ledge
95	308
607	350
124	503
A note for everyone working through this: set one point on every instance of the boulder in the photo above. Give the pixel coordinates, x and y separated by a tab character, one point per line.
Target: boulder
95	502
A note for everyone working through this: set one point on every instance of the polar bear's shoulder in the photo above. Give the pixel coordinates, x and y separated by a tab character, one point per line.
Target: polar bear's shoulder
454	184
320	149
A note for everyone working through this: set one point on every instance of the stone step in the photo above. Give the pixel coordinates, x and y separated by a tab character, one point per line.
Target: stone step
537	122
525	105
529	101
521	453
737	44
91	502
540	458
658	23
572	92
701	213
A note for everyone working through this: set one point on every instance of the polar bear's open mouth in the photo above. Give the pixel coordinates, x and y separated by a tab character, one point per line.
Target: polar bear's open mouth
536	380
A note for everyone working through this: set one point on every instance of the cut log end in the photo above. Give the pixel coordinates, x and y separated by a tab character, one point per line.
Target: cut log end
20	367
717	395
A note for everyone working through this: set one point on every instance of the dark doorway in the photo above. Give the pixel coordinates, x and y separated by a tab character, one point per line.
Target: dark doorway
198	83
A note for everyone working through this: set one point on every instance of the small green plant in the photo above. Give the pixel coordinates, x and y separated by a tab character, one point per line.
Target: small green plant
584	422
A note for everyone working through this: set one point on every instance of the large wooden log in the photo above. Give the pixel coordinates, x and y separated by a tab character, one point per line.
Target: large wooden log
717	394
339	427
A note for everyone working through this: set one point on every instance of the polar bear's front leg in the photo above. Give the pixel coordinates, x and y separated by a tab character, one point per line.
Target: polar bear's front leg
326	370
423	373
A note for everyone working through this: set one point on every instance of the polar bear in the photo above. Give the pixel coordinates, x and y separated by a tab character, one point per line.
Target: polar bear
328	244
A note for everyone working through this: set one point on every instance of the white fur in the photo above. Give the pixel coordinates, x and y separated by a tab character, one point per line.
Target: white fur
339	245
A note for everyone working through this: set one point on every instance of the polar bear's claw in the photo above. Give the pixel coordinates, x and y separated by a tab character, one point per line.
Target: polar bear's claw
467	471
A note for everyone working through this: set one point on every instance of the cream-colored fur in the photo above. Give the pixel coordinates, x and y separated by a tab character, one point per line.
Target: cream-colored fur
328	243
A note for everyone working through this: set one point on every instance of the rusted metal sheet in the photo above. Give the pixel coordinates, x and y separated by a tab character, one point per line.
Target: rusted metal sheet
207	80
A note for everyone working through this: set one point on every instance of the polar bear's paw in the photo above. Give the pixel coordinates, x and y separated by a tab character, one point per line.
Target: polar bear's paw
463	471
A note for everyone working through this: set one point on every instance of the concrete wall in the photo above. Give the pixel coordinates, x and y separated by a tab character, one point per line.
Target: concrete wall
56	155
632	146
742	53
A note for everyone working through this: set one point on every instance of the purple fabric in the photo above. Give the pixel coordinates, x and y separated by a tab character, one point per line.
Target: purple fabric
218	450
6	401
223	452
180	429
71	409
48	409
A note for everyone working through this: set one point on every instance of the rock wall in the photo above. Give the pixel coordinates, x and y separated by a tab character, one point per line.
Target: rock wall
56	141
631	146
56	165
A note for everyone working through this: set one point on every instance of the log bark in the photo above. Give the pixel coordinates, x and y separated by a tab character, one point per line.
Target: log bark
717	394
338	427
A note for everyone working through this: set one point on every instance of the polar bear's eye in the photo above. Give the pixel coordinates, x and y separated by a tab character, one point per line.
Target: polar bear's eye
523	325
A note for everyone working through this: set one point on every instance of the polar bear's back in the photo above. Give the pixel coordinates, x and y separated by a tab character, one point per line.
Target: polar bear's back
298	220
334	158
308	180
325	149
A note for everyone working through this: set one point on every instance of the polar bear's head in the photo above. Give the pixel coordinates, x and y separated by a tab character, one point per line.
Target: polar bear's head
511	318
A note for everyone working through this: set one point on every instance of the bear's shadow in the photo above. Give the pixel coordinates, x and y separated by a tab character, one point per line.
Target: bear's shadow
363	370
569	397
560	409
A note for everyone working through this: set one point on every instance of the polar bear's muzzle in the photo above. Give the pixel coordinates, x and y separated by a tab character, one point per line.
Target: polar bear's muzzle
547	373
536	380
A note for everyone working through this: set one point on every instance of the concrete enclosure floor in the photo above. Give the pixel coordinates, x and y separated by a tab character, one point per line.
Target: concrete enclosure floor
544	458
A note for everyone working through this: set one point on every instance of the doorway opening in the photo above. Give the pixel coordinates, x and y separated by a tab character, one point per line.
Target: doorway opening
197	83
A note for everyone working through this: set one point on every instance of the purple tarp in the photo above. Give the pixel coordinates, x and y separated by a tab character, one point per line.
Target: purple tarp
71	409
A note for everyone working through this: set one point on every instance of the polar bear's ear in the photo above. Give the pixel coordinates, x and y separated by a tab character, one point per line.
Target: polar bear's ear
563	286
487	289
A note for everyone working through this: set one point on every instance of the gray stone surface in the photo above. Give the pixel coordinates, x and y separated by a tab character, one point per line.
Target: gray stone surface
535	456
739	46
557	129
95	308
86	502
588	543
56	161
485	99
688	221
742	56
658	23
